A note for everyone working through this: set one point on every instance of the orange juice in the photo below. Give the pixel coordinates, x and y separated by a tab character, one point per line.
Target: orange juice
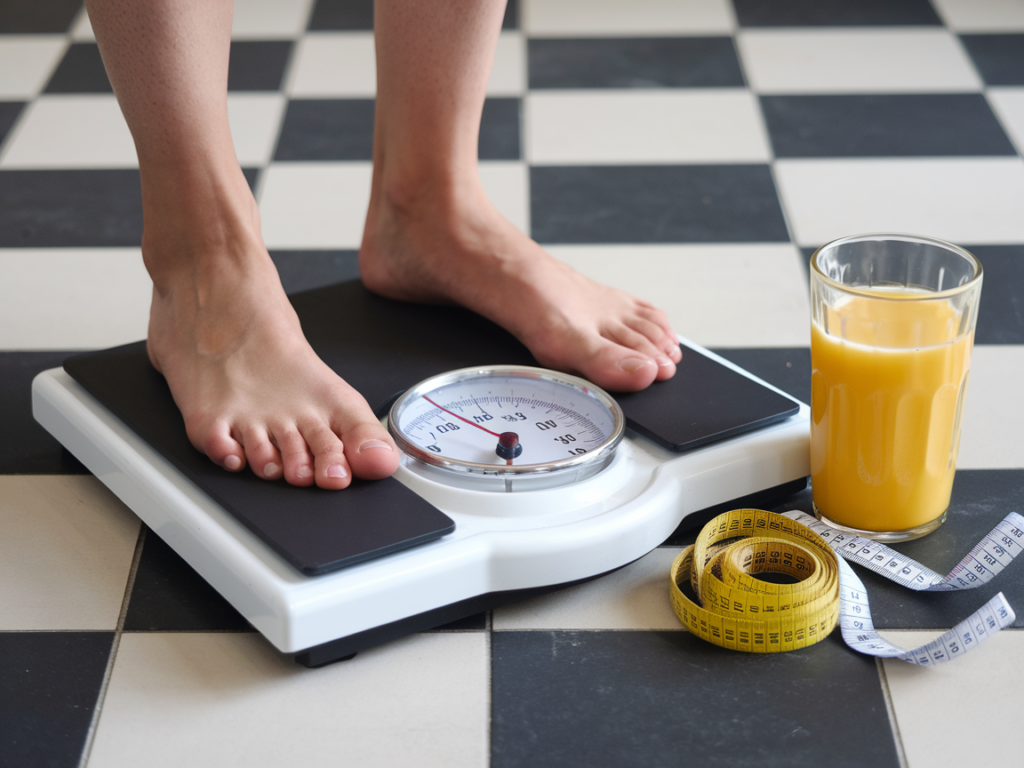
887	389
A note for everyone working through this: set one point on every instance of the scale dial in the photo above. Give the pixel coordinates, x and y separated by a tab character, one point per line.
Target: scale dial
507	427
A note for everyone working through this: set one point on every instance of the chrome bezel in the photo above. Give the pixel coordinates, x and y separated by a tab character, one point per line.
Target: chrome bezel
594	458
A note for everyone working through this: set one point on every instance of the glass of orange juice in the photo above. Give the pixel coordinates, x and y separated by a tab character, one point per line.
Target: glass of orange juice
892	325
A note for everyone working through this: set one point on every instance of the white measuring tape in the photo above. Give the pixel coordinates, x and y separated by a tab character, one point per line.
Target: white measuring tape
990	556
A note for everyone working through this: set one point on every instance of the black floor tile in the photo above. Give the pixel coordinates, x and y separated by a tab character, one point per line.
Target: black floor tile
650	62
49	686
999	58
1001	315
788	368
668	699
169	596
358	15
655	204
799	13
32	17
347	15
981	498
27	448
73	208
327	129
80	71
923	125
9	111
499	130
342	129
258	65
305	270
511	19
70	208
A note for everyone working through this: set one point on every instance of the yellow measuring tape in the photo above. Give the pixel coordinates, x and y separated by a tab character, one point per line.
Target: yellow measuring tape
737	610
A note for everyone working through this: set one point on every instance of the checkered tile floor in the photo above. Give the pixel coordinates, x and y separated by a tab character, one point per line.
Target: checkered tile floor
693	152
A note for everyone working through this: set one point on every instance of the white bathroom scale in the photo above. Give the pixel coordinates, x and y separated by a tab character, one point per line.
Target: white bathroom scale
473	518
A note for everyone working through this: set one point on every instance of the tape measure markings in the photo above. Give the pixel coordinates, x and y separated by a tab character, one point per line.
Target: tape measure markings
984	562
859	632
739	611
1001	544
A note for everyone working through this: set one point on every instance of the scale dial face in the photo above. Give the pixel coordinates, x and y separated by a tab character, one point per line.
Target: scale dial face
508	422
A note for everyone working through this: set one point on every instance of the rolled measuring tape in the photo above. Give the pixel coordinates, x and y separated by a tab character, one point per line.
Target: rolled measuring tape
737	610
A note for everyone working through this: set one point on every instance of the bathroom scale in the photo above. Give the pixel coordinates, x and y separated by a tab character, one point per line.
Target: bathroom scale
513	480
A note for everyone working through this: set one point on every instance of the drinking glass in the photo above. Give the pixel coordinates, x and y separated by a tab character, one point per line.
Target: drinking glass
892	327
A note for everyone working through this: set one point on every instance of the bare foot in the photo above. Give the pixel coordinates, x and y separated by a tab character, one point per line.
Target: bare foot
438	248
248	384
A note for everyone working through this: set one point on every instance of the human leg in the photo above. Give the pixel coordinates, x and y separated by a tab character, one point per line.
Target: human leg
431	233
249	386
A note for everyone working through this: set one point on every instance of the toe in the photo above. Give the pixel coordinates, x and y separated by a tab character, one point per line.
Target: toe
663	348
370	450
617	367
262	455
216	442
298	461
665	344
640	343
331	469
622	369
659	330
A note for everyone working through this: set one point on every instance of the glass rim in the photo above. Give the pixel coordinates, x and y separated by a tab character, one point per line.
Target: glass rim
873	292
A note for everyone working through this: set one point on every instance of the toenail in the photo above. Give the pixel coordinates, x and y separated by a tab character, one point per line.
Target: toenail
336	470
370	445
303	471
633	364
232	462
663	361
270	469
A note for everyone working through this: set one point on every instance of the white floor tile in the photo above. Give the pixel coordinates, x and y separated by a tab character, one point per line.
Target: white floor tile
635	597
89	131
323	205
71	131
716	295
81	28
964	711
255	121
334	64
698	126
993	419
72	298
26	63
1008	104
65	553
342	65
314	205
855	60
613	18
963	200
230	699
253	20
269	19
982	15
508	75
507	184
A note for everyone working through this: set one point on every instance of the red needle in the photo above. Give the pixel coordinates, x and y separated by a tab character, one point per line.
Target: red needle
485	429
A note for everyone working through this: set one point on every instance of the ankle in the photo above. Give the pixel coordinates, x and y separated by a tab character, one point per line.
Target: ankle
445	189
195	235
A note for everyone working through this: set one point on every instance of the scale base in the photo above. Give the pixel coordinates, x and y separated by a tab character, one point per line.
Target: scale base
346	648
503	547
